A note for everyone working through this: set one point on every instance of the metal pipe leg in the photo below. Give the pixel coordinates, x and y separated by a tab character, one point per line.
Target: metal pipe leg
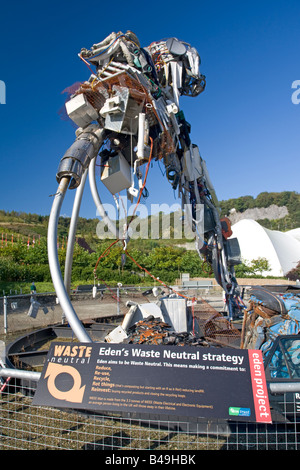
72	232
98	203
55	270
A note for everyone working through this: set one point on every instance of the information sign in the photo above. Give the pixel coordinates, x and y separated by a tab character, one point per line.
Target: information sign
182	381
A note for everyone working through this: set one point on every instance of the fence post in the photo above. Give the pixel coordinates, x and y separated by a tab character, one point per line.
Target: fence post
118	297
5	313
118	300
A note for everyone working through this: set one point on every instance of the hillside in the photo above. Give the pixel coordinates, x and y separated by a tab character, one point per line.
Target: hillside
26	226
278	211
165	258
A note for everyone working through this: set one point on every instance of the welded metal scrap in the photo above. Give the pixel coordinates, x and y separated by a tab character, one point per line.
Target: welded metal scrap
263	324
152	330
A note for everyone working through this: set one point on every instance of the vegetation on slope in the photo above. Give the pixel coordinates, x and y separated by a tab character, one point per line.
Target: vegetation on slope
24	258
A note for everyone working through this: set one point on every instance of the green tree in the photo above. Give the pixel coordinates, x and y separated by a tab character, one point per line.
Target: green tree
260	265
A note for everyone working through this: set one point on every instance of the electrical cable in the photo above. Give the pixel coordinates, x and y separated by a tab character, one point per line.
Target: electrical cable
86	63
144	183
140	194
112	43
157	279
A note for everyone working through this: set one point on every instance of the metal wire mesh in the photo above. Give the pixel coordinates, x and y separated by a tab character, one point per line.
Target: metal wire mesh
214	327
24	426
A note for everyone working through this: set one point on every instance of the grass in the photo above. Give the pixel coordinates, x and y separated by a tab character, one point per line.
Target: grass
12	288
15	288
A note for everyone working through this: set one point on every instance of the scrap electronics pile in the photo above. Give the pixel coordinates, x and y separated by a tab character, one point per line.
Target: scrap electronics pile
154	331
173	321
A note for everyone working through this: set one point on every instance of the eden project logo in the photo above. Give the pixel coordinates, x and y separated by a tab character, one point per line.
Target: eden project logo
2	92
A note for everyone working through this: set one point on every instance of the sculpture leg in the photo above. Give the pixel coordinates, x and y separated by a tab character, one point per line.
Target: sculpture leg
98	203
71	174
72	232
55	270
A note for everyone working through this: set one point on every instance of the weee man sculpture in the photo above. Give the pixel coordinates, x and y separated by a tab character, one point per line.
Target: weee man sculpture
131	103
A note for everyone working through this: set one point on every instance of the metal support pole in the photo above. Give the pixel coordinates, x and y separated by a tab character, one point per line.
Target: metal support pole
98	203
284	387
118	300
20	374
72	233
5	313
55	270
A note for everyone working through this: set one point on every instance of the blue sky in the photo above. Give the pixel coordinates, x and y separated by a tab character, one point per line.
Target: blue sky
245	123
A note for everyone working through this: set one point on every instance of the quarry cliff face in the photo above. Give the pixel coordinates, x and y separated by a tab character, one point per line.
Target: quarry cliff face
257	213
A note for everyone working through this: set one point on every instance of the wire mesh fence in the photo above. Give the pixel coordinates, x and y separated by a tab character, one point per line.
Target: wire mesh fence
21	312
25	426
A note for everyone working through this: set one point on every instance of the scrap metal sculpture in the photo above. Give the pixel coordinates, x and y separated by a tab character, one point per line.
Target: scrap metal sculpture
128	113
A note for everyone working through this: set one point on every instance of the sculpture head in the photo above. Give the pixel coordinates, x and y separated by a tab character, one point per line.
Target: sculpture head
169	63
177	66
